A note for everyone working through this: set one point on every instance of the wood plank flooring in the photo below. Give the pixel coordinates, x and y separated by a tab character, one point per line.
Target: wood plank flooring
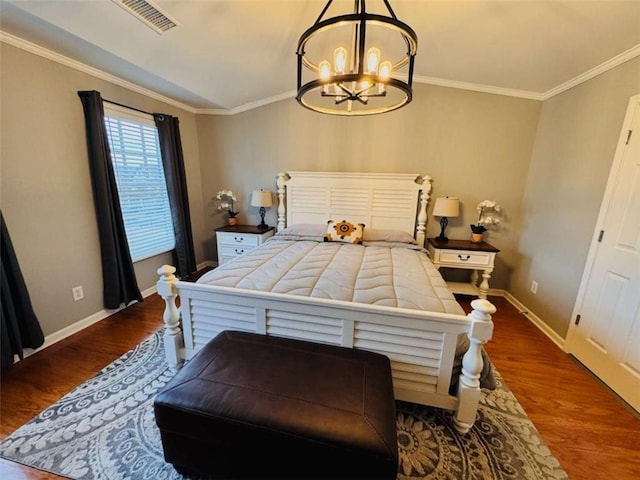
588	428
591	432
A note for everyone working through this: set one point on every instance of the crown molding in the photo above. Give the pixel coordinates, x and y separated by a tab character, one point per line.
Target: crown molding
426	80
594	72
476	87
84	68
247	106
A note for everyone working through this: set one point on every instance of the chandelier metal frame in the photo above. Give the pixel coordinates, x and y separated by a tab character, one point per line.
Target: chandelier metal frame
348	87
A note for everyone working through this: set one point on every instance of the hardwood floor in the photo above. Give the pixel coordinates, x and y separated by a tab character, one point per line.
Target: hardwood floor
591	432
588	428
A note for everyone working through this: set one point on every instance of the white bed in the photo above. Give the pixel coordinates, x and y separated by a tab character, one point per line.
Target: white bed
410	316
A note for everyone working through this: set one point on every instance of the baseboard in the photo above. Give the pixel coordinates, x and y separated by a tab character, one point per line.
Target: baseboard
81	325
70	330
537	321
94	318
207	263
496	292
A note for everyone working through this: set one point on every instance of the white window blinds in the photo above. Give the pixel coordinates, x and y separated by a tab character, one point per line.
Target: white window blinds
135	153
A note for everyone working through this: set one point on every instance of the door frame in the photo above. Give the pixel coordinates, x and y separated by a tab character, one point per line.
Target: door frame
634	102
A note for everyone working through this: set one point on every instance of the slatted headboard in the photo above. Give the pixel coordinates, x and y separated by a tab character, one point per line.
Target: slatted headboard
379	200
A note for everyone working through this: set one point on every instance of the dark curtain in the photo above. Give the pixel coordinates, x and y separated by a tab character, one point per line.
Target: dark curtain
19	325
173	163
118	276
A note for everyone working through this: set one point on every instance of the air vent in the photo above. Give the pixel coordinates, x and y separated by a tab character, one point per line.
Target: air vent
149	13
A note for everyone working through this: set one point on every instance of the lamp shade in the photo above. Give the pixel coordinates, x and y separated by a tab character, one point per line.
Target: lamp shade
261	198
446	207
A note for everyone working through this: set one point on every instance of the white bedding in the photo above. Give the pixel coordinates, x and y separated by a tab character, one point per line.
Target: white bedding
381	273
389	273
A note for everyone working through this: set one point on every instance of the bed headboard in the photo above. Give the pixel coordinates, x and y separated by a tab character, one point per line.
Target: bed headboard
379	200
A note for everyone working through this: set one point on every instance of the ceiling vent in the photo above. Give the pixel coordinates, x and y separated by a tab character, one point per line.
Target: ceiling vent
148	13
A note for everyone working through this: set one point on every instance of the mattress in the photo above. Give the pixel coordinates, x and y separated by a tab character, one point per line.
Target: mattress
393	274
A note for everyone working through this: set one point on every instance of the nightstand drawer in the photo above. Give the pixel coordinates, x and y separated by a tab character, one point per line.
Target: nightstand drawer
238	239
465	257
235	250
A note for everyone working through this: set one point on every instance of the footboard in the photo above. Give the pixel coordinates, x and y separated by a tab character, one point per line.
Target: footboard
420	345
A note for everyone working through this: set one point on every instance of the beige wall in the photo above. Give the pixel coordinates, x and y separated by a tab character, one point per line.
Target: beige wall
45	192
476	146
545	163
574	149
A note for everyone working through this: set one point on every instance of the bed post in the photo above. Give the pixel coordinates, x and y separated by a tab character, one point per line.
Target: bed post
425	193
173	340
469	385
282	178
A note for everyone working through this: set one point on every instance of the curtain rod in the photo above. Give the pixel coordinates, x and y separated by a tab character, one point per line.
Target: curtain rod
126	106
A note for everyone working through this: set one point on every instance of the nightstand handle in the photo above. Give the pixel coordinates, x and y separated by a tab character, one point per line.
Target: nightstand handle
238	239
465	258
240	251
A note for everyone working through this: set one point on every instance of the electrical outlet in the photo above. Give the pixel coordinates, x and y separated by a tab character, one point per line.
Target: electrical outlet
534	287
78	293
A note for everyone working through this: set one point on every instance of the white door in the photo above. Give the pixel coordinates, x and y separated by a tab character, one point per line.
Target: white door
607	337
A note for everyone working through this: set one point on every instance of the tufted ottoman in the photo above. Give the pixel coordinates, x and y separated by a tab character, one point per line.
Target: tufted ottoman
257	406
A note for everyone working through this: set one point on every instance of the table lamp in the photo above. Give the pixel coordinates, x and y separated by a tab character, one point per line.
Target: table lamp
444	208
261	198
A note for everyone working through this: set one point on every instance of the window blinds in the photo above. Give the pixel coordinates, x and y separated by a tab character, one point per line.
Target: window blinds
135	152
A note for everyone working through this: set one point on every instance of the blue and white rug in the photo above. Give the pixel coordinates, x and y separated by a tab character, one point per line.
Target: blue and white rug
105	430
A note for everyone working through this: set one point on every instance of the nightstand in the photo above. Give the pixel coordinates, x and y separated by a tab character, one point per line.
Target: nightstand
466	255
235	240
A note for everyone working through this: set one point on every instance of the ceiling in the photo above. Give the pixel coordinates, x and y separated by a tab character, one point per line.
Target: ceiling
228	56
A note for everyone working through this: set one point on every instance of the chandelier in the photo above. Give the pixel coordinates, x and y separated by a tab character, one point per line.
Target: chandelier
372	67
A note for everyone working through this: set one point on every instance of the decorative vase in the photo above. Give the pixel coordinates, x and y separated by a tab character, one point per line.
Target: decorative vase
476	237
232	221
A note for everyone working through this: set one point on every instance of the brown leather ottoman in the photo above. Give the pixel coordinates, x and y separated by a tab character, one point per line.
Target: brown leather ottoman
256	406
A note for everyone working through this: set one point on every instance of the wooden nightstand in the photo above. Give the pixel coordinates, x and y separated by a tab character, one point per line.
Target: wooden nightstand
235	240
467	255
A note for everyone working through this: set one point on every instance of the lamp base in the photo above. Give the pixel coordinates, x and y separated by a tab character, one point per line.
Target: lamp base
262	226
443	224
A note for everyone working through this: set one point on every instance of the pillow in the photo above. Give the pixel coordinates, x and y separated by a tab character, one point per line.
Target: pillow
487	378
394	236
304	230
344	231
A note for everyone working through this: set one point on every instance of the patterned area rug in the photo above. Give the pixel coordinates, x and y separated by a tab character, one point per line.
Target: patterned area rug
105	430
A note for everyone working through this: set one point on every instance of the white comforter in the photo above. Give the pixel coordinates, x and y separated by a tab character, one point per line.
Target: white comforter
380	273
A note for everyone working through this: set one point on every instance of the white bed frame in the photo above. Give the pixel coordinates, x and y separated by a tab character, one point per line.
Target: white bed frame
421	345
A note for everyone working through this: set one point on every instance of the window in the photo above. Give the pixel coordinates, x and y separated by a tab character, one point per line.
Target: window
135	153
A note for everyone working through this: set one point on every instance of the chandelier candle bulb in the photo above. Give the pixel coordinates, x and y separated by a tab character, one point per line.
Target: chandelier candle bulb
384	74
373	57
340	59
325	69
325	73
385	69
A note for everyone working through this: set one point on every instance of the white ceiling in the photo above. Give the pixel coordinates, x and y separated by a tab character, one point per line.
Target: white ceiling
230	55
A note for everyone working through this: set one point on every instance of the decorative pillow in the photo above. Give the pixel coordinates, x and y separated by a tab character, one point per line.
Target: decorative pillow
344	231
